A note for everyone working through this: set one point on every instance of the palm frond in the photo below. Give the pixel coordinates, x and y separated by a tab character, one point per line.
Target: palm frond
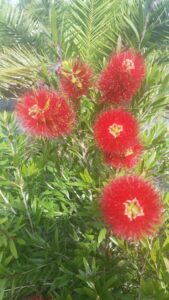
18	70
16	27
145	24
53	22
159	25
91	27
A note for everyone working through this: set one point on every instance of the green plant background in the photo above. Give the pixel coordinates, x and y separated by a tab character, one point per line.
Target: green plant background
52	238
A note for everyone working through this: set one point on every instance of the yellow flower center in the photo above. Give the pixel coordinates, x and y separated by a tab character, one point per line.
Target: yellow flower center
67	71
133	209
35	110
129	152
75	80
128	64
47	104
115	129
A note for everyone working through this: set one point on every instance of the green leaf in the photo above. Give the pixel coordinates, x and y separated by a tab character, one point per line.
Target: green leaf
21	241
129	22
86	176
114	240
13	248
53	18
166	262
119	44
147	287
18	68
101	236
3	220
2	288
86	265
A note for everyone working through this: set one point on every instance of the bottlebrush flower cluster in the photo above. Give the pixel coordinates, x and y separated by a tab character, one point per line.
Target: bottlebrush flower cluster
122	78
131	207
115	131
45	113
75	79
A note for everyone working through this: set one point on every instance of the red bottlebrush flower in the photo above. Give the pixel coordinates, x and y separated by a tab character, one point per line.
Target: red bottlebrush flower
45	113
127	159
122	78
75	79
131	207
115	131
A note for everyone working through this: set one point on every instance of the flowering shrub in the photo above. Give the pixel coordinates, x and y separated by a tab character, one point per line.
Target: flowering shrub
129	204
45	113
132	207
122	77
75	79
84	156
116	131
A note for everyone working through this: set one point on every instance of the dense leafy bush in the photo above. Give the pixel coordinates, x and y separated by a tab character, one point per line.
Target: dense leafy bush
53	240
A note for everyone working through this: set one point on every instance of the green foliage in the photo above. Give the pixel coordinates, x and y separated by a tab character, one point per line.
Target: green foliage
53	241
65	29
145	24
18	70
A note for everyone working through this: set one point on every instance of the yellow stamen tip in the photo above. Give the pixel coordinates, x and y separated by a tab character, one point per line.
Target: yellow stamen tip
129	152
115	129
128	64
133	209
